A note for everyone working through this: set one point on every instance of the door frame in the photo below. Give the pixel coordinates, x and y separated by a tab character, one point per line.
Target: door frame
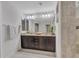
58	31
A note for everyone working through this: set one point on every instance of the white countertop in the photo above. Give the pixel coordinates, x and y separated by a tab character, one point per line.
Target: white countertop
23	34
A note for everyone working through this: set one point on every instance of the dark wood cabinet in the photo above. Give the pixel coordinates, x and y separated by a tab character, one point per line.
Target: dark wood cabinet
38	42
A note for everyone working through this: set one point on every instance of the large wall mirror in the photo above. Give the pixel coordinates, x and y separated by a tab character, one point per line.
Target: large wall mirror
43	23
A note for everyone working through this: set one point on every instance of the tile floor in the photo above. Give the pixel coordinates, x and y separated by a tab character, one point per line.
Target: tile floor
28	53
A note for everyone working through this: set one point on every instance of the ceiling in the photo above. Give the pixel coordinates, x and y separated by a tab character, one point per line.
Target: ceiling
34	6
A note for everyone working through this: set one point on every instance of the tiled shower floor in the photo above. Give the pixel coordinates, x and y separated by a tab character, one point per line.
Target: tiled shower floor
28	53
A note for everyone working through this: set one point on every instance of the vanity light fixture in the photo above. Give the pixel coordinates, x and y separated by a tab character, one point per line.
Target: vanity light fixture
30	17
40	15
46	15
33	17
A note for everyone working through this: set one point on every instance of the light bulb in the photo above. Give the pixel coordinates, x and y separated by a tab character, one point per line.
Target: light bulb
43	15
28	17
49	15
46	15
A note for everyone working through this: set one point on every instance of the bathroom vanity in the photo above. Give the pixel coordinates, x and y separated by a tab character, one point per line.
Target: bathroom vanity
38	42
38	33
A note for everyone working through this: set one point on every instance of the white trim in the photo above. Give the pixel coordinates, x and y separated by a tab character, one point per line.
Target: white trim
58	33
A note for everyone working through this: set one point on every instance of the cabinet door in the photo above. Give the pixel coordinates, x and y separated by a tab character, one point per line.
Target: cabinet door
42	43
29	42
51	44
24	42
47	43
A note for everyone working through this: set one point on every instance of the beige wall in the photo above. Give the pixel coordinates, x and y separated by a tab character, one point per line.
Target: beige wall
68	29
77	39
